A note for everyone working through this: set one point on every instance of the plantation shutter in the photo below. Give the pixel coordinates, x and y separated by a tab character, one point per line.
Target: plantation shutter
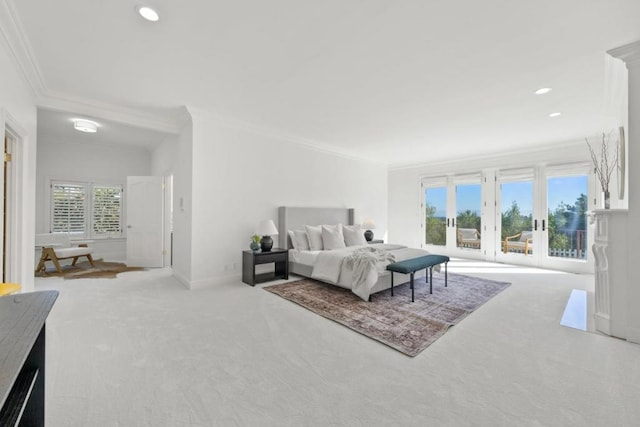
68	208
107	209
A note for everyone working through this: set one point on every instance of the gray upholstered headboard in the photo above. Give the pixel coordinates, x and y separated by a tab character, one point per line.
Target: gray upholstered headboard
294	218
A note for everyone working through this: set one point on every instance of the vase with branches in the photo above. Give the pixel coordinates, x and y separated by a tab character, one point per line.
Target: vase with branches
604	165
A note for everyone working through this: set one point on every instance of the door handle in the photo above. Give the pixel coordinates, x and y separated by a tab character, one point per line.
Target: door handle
453	222
543	224
447	222
535	225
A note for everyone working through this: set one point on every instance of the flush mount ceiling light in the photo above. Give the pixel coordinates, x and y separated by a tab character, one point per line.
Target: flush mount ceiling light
147	13
554	114
543	90
85	126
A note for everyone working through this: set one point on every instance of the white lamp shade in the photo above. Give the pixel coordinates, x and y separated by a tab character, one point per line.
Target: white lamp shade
266	228
369	224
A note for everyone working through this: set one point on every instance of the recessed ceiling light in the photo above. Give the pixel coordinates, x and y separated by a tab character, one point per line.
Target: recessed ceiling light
85	125
554	114
543	90
147	13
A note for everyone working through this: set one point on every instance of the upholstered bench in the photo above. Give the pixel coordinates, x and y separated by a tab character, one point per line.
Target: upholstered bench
58	246
410	266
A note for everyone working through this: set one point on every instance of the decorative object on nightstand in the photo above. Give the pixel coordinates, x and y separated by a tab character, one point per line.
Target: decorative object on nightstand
266	229
255	243
279	257
368	225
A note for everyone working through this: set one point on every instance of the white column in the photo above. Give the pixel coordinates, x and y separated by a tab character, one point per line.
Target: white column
630	54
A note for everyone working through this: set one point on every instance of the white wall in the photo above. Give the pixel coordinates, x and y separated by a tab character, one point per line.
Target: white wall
17	107
242	176
82	160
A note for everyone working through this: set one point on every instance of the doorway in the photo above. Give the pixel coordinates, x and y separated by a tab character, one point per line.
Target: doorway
10	218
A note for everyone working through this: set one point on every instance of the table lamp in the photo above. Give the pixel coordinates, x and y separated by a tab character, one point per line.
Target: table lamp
369	225
266	229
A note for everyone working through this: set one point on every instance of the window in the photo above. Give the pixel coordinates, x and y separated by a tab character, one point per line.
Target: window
106	210
74	212
68	208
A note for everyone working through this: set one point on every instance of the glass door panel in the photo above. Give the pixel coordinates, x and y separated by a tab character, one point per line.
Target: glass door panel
436	216
566	227
468	216
516	207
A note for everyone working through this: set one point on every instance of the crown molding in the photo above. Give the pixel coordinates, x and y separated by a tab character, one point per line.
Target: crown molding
629	53
169	122
536	154
18	45
280	136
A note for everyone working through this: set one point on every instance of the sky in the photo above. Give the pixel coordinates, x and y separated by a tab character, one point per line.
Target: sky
560	189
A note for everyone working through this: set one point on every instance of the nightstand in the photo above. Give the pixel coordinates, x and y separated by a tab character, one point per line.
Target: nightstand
280	257
376	241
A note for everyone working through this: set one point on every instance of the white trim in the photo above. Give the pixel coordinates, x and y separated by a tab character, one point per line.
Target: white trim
19	260
18	45
629	53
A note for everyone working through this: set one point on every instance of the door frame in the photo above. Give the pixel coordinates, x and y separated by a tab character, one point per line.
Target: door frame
14	242
449	183
560	170
524	174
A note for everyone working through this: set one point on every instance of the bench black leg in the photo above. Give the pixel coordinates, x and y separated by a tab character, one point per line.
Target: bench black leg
392	283
430	280
445	274
412	298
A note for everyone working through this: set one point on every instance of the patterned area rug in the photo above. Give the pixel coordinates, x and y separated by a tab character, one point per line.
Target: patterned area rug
396	321
83	270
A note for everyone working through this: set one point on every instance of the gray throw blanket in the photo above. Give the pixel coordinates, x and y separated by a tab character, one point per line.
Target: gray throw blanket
367	263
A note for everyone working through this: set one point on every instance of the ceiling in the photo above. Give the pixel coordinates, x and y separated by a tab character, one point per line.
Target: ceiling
394	82
57	126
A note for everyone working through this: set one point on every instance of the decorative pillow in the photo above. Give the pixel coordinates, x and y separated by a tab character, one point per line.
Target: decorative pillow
292	238
314	234
353	235
332	237
301	240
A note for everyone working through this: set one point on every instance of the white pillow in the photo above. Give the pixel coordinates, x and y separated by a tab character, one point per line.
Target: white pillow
353	235
314	234
332	237
292	236
301	241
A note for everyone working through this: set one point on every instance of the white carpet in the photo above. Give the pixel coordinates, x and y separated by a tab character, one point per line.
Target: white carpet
141	350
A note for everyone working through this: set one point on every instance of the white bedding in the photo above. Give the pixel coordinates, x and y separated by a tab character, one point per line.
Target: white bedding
330	266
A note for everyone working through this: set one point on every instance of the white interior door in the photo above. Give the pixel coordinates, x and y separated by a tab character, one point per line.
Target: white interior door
145	228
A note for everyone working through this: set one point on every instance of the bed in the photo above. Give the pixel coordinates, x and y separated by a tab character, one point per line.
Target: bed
323	264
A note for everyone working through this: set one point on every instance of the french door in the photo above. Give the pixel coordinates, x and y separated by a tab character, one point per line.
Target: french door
565	227
516	217
534	216
541	217
452	217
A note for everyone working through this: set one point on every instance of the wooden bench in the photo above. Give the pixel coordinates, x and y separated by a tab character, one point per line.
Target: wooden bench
58	246
410	266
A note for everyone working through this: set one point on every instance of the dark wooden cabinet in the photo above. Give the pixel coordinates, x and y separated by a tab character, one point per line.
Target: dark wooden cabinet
22	357
250	259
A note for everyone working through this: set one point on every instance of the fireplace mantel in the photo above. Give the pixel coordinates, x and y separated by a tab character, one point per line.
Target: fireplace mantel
611	279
